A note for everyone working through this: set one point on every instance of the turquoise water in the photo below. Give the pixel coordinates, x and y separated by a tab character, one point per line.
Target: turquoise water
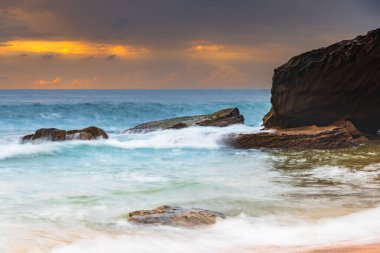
73	196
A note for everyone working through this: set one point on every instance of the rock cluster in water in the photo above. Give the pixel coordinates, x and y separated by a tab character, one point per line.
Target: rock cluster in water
338	82
220	118
53	134
175	216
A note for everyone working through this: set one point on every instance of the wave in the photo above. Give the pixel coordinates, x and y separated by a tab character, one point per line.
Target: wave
193	137
15	149
338	174
238	234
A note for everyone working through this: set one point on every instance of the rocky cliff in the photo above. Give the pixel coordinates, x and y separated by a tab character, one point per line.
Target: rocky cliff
338	82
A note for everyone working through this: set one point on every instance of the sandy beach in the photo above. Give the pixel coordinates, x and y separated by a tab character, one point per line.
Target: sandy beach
368	248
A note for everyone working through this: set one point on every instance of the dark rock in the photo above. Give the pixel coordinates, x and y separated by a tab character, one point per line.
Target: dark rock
339	82
178	126
89	133
53	134
339	134
175	216
221	118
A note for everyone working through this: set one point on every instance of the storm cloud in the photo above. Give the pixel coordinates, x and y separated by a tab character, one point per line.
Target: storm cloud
169	43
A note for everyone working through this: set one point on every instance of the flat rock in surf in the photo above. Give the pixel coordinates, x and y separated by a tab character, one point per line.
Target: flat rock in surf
175	216
53	134
337	135
220	118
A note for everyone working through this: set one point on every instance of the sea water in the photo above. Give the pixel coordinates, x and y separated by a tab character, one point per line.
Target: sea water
74	196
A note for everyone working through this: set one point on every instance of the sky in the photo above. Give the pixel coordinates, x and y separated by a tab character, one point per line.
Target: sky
167	44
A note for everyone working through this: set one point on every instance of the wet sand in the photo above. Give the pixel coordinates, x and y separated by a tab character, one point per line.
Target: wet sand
356	248
369	248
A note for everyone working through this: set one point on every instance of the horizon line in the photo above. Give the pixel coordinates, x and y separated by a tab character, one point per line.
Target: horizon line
137	89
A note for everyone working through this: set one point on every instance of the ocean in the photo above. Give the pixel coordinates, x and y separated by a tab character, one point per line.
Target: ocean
73	196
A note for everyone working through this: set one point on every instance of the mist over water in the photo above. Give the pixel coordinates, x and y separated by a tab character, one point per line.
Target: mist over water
73	196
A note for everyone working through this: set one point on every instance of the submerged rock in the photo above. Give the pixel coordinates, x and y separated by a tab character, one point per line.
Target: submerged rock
337	135
338	82
175	216
221	118
53	134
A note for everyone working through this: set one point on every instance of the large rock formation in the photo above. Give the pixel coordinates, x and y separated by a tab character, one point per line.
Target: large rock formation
221	118
53	134
175	216
339	82
337	135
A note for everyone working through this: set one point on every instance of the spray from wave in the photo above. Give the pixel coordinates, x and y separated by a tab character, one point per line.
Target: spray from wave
238	234
15	149
192	137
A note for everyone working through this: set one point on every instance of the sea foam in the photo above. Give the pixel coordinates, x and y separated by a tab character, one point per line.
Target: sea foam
239	234
192	137
15	149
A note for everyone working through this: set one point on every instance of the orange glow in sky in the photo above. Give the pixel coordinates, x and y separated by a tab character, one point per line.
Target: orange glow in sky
71	48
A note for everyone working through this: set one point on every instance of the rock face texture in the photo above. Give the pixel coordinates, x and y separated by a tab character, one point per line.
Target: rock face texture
221	118
337	135
53	134
175	216
338	82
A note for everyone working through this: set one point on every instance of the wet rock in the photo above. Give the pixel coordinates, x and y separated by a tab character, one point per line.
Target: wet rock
338	82
337	135
53	134
89	133
175	216
221	118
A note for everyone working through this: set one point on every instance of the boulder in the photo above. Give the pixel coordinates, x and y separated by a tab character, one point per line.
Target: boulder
53	134
89	133
338	82
175	216
221	118
337	135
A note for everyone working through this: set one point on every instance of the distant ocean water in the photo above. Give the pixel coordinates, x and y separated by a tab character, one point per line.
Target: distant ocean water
73	196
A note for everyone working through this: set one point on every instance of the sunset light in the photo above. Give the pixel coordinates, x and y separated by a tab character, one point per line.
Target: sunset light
71	48
189	126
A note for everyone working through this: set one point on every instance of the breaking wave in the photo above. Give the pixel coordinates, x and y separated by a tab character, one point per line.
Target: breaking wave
193	137
239	234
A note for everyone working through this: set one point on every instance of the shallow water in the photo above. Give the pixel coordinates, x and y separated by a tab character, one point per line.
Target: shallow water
73	196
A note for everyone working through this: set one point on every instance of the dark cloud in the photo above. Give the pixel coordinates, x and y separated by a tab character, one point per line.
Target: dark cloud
48	56
168	28
119	24
11	27
111	57
173	22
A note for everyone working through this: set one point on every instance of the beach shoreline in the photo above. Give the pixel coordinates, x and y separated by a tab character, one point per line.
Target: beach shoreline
73	196
365	248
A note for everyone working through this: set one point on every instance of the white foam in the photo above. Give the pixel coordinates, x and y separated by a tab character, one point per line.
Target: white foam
345	175
16	149
239	234
193	137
